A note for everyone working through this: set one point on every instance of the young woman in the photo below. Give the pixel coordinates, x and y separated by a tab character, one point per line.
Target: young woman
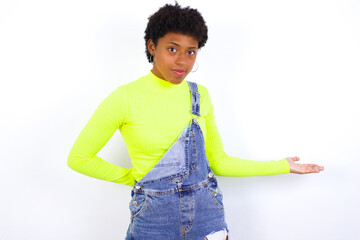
169	128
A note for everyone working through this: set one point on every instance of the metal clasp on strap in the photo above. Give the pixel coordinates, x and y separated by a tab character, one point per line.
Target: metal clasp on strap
138	187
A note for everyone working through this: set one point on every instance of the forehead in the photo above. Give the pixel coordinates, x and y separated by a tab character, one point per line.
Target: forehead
181	39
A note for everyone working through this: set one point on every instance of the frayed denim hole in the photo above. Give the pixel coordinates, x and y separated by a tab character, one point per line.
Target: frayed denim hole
218	235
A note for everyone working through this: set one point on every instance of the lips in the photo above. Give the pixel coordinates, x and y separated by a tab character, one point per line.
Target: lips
178	72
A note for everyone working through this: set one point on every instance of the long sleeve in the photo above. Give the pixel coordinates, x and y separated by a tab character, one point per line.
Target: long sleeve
106	119
225	165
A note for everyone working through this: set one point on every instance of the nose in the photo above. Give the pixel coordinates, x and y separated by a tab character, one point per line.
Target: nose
181	59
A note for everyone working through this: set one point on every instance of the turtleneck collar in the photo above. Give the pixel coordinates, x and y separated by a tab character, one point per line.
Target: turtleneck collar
161	84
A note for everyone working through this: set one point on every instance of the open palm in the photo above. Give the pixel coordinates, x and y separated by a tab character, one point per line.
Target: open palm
300	168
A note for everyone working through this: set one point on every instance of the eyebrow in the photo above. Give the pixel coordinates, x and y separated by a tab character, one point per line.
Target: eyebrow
179	45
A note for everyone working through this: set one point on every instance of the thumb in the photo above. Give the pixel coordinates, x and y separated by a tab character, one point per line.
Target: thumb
293	158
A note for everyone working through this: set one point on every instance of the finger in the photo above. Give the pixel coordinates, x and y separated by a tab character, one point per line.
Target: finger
293	158
314	168
308	168
319	168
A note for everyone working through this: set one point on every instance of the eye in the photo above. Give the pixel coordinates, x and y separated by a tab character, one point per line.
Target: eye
191	52
172	49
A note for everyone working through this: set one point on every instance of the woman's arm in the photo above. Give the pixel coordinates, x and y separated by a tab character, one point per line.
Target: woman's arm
107	118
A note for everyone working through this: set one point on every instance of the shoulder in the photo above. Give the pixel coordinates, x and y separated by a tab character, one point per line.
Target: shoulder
129	88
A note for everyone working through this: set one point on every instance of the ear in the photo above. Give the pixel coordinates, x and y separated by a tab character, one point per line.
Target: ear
151	47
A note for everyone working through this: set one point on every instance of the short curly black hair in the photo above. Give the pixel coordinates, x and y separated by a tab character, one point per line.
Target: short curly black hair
174	18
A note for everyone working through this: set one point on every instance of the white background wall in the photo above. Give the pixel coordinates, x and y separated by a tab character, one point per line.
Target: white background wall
283	76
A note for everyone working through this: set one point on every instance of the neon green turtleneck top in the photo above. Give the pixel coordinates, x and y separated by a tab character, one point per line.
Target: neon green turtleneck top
150	114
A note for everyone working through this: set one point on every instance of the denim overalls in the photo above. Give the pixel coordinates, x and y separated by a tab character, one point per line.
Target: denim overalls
178	199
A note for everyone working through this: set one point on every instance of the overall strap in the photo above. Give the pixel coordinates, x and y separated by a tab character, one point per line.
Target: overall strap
195	98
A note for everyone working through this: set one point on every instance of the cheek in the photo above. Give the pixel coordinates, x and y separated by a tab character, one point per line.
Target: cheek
163	59
191	62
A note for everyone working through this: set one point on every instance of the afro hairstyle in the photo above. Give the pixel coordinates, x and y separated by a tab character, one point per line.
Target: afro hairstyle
174	18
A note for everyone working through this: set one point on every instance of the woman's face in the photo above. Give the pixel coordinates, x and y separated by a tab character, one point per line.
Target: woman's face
174	56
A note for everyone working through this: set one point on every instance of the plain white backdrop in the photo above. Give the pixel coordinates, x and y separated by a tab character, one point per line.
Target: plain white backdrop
283	77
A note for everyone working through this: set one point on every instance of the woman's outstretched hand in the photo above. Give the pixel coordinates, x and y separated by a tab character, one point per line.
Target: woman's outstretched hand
302	168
